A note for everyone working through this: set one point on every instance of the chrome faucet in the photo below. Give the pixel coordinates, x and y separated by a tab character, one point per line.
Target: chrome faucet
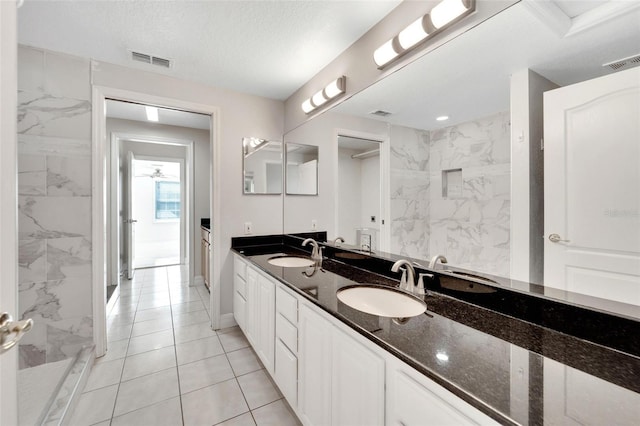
408	280
434	260
338	241
316	253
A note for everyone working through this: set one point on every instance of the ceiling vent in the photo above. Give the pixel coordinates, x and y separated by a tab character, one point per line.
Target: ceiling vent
152	60
380	113
624	63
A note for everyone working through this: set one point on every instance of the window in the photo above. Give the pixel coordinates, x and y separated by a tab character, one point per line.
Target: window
167	200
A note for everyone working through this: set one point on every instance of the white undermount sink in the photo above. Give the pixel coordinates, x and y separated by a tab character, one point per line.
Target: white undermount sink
291	261
382	301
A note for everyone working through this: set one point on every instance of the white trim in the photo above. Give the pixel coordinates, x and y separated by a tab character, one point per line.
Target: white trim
9	204
551	15
100	93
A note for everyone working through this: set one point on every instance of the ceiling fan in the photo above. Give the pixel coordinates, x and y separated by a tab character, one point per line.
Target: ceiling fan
157	173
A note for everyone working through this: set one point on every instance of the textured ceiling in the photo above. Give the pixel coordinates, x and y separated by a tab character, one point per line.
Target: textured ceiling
266	48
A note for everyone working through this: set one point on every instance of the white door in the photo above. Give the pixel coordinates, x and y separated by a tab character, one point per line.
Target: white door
308	177
131	222
592	187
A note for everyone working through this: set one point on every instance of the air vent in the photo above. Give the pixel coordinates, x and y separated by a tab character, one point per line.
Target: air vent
380	113
624	63
149	59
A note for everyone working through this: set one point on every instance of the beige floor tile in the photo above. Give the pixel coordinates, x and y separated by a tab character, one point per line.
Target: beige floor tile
153	313
275	414
95	406
146	390
190	318
180	308
148	362
213	404
203	373
233	340
196	350
151	326
164	413
115	350
245	419
258	389
244	361
194	332
150	342
104	374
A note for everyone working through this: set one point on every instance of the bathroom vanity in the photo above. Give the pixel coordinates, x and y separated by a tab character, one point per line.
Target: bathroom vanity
466	360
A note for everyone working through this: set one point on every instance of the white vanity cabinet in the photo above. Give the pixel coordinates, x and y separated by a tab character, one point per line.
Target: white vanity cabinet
254	309
329	373
414	399
341	379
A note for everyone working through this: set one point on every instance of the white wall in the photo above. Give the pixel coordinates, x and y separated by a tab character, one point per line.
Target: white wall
241	116
202	153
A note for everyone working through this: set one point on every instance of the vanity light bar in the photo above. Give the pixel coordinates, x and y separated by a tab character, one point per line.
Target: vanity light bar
443	15
333	89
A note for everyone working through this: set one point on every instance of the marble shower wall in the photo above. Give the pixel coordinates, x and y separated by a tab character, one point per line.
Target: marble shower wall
54	202
471	228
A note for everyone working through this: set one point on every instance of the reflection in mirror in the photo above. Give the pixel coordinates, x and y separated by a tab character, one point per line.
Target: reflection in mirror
262	166
475	187
358	192
302	169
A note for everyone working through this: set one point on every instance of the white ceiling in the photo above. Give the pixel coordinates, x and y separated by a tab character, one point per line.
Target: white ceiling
265	48
169	117
469	77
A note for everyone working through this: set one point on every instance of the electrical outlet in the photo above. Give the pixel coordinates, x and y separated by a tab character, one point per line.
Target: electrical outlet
314	224
247	228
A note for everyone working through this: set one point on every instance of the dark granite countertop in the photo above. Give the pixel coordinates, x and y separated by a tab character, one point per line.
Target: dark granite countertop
516	371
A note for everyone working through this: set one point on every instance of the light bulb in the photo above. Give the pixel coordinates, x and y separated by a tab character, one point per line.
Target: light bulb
413	34
334	88
384	53
307	106
152	113
318	99
446	11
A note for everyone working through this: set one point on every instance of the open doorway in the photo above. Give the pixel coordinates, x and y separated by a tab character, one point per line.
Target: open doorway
158	208
159	189
359	208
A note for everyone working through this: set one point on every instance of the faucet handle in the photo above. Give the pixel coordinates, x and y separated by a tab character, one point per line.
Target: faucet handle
404	283
421	288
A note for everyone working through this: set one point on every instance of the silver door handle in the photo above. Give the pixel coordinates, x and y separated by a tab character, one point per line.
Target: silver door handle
555	238
12	331
130	221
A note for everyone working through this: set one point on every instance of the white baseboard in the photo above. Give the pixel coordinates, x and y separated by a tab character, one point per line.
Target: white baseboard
227	320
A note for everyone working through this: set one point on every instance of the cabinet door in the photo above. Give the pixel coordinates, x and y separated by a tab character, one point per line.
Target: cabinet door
314	367
412	398
286	373
239	309
357	383
251	307
266	318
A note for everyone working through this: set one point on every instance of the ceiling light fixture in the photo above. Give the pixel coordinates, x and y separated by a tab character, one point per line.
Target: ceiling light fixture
442	16
331	91
442	118
152	113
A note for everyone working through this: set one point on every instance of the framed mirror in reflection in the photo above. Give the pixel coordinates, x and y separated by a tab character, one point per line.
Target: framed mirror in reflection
302	169
467	175
262	166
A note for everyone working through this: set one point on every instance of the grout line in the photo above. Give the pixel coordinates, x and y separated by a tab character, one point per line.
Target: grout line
175	351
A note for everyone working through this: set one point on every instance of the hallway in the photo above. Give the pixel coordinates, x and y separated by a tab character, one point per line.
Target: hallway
165	366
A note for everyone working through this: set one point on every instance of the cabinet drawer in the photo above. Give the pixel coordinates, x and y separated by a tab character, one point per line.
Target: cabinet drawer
240	267
240	286
286	374
287	305
286	332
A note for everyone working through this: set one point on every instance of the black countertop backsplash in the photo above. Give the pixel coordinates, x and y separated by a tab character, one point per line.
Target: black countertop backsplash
469	341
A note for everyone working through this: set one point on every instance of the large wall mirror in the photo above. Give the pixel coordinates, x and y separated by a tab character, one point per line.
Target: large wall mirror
262	166
463	174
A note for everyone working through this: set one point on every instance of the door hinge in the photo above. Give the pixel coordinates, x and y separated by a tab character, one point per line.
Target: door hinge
541	144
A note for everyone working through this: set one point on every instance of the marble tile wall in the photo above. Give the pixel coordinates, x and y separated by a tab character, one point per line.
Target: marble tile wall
472	228
54	203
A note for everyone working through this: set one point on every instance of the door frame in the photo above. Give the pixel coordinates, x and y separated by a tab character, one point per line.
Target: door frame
9	209
385	181
187	238
99	194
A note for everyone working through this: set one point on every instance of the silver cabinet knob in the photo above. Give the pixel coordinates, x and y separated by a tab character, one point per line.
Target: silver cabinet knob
555	238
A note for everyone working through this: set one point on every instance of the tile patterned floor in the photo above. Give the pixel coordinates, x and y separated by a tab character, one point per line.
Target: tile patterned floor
165	366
